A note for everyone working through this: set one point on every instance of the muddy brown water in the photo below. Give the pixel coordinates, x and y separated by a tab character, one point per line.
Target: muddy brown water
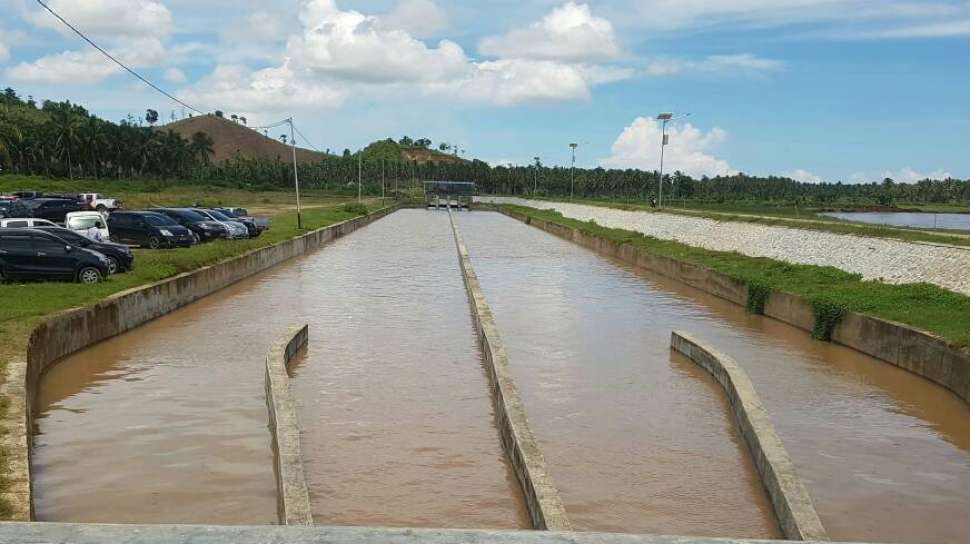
639	440
168	423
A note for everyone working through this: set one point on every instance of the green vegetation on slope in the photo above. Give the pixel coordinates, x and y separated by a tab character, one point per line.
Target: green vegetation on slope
832	291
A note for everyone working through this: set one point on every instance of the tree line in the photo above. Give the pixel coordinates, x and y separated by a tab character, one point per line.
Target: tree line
60	139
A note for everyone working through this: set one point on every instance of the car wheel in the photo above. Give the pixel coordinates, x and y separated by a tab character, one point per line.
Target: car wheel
2	277
89	275
154	242
197	239
113	265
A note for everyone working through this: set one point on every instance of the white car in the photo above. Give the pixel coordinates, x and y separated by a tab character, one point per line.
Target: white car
80	222
25	223
235	228
96	202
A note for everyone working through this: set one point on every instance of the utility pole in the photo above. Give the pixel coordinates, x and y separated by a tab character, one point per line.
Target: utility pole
572	172
296	177
360	173
535	184
382	182
664	118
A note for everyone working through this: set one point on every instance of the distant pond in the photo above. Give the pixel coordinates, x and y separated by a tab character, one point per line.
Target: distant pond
948	221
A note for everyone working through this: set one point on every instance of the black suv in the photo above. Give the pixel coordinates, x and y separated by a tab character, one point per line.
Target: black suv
149	229
29	254
120	258
204	228
51	209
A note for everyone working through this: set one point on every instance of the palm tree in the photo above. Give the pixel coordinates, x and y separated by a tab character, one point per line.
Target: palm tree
10	136
93	135
201	147
67	127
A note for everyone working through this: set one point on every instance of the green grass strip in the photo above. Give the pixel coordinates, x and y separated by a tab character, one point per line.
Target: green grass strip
831	291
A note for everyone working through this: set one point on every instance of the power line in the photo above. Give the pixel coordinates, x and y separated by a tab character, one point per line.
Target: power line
306	140
116	61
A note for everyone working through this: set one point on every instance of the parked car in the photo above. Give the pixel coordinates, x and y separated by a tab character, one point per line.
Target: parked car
28	194
120	257
31	254
96	202
52	209
250	223
236	229
204	229
25	223
4	205
82	222
148	229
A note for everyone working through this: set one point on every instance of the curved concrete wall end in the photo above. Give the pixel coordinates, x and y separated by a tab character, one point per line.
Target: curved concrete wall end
793	506
293	494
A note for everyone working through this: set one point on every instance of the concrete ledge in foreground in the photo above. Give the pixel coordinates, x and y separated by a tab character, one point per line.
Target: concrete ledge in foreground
793	506
293	494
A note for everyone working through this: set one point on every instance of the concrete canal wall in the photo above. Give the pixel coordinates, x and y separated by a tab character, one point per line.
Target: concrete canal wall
918	351
67	533
541	496
72	330
293	495
793	506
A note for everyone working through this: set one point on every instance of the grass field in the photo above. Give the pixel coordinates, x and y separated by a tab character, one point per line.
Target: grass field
24	305
832	291
768	214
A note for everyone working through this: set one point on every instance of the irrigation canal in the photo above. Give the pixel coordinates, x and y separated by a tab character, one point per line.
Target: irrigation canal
168	423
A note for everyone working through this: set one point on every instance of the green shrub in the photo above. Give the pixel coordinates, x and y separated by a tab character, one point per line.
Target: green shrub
827	316
757	297
356	208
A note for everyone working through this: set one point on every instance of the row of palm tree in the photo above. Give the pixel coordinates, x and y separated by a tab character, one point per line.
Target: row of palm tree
62	139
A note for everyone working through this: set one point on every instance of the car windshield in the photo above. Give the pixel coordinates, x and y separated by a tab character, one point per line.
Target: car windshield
159	220
219	216
191	215
84	222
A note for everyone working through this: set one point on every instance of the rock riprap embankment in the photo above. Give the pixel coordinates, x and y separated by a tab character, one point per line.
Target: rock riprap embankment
893	261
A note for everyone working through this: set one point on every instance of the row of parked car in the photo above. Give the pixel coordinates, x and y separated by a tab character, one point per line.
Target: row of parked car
90	245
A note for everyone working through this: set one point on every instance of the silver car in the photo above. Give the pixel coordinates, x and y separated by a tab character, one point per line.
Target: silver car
235	229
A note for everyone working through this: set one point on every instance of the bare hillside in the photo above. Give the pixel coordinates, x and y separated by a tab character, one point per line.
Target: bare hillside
236	140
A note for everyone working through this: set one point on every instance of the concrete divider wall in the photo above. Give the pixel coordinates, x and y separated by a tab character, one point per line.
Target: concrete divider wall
541	496
72	330
293	494
793	506
920	352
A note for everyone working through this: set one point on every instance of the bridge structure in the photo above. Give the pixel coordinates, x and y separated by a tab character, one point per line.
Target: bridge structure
448	194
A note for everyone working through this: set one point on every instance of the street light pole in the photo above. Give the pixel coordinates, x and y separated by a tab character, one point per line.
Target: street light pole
296	177
572	172
664	118
360	172
382	182
535	185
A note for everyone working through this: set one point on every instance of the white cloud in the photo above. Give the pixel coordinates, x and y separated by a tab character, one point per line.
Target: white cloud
354	46
908	175
419	18
259	26
688	151
570	33
764	13
512	81
87	66
713	64
945	29
174	75
131	18
804	176
270	90
6	39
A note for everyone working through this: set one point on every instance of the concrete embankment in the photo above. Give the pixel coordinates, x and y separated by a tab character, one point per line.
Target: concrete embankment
792	503
542	498
72	330
917	351
293	493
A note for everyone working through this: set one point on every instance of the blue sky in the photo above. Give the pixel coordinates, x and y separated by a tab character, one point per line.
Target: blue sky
831	90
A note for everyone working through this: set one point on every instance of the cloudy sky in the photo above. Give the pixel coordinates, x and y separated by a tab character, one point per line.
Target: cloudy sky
830	90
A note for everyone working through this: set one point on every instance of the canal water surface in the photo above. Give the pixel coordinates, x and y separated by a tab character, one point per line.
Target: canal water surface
639	441
168	423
